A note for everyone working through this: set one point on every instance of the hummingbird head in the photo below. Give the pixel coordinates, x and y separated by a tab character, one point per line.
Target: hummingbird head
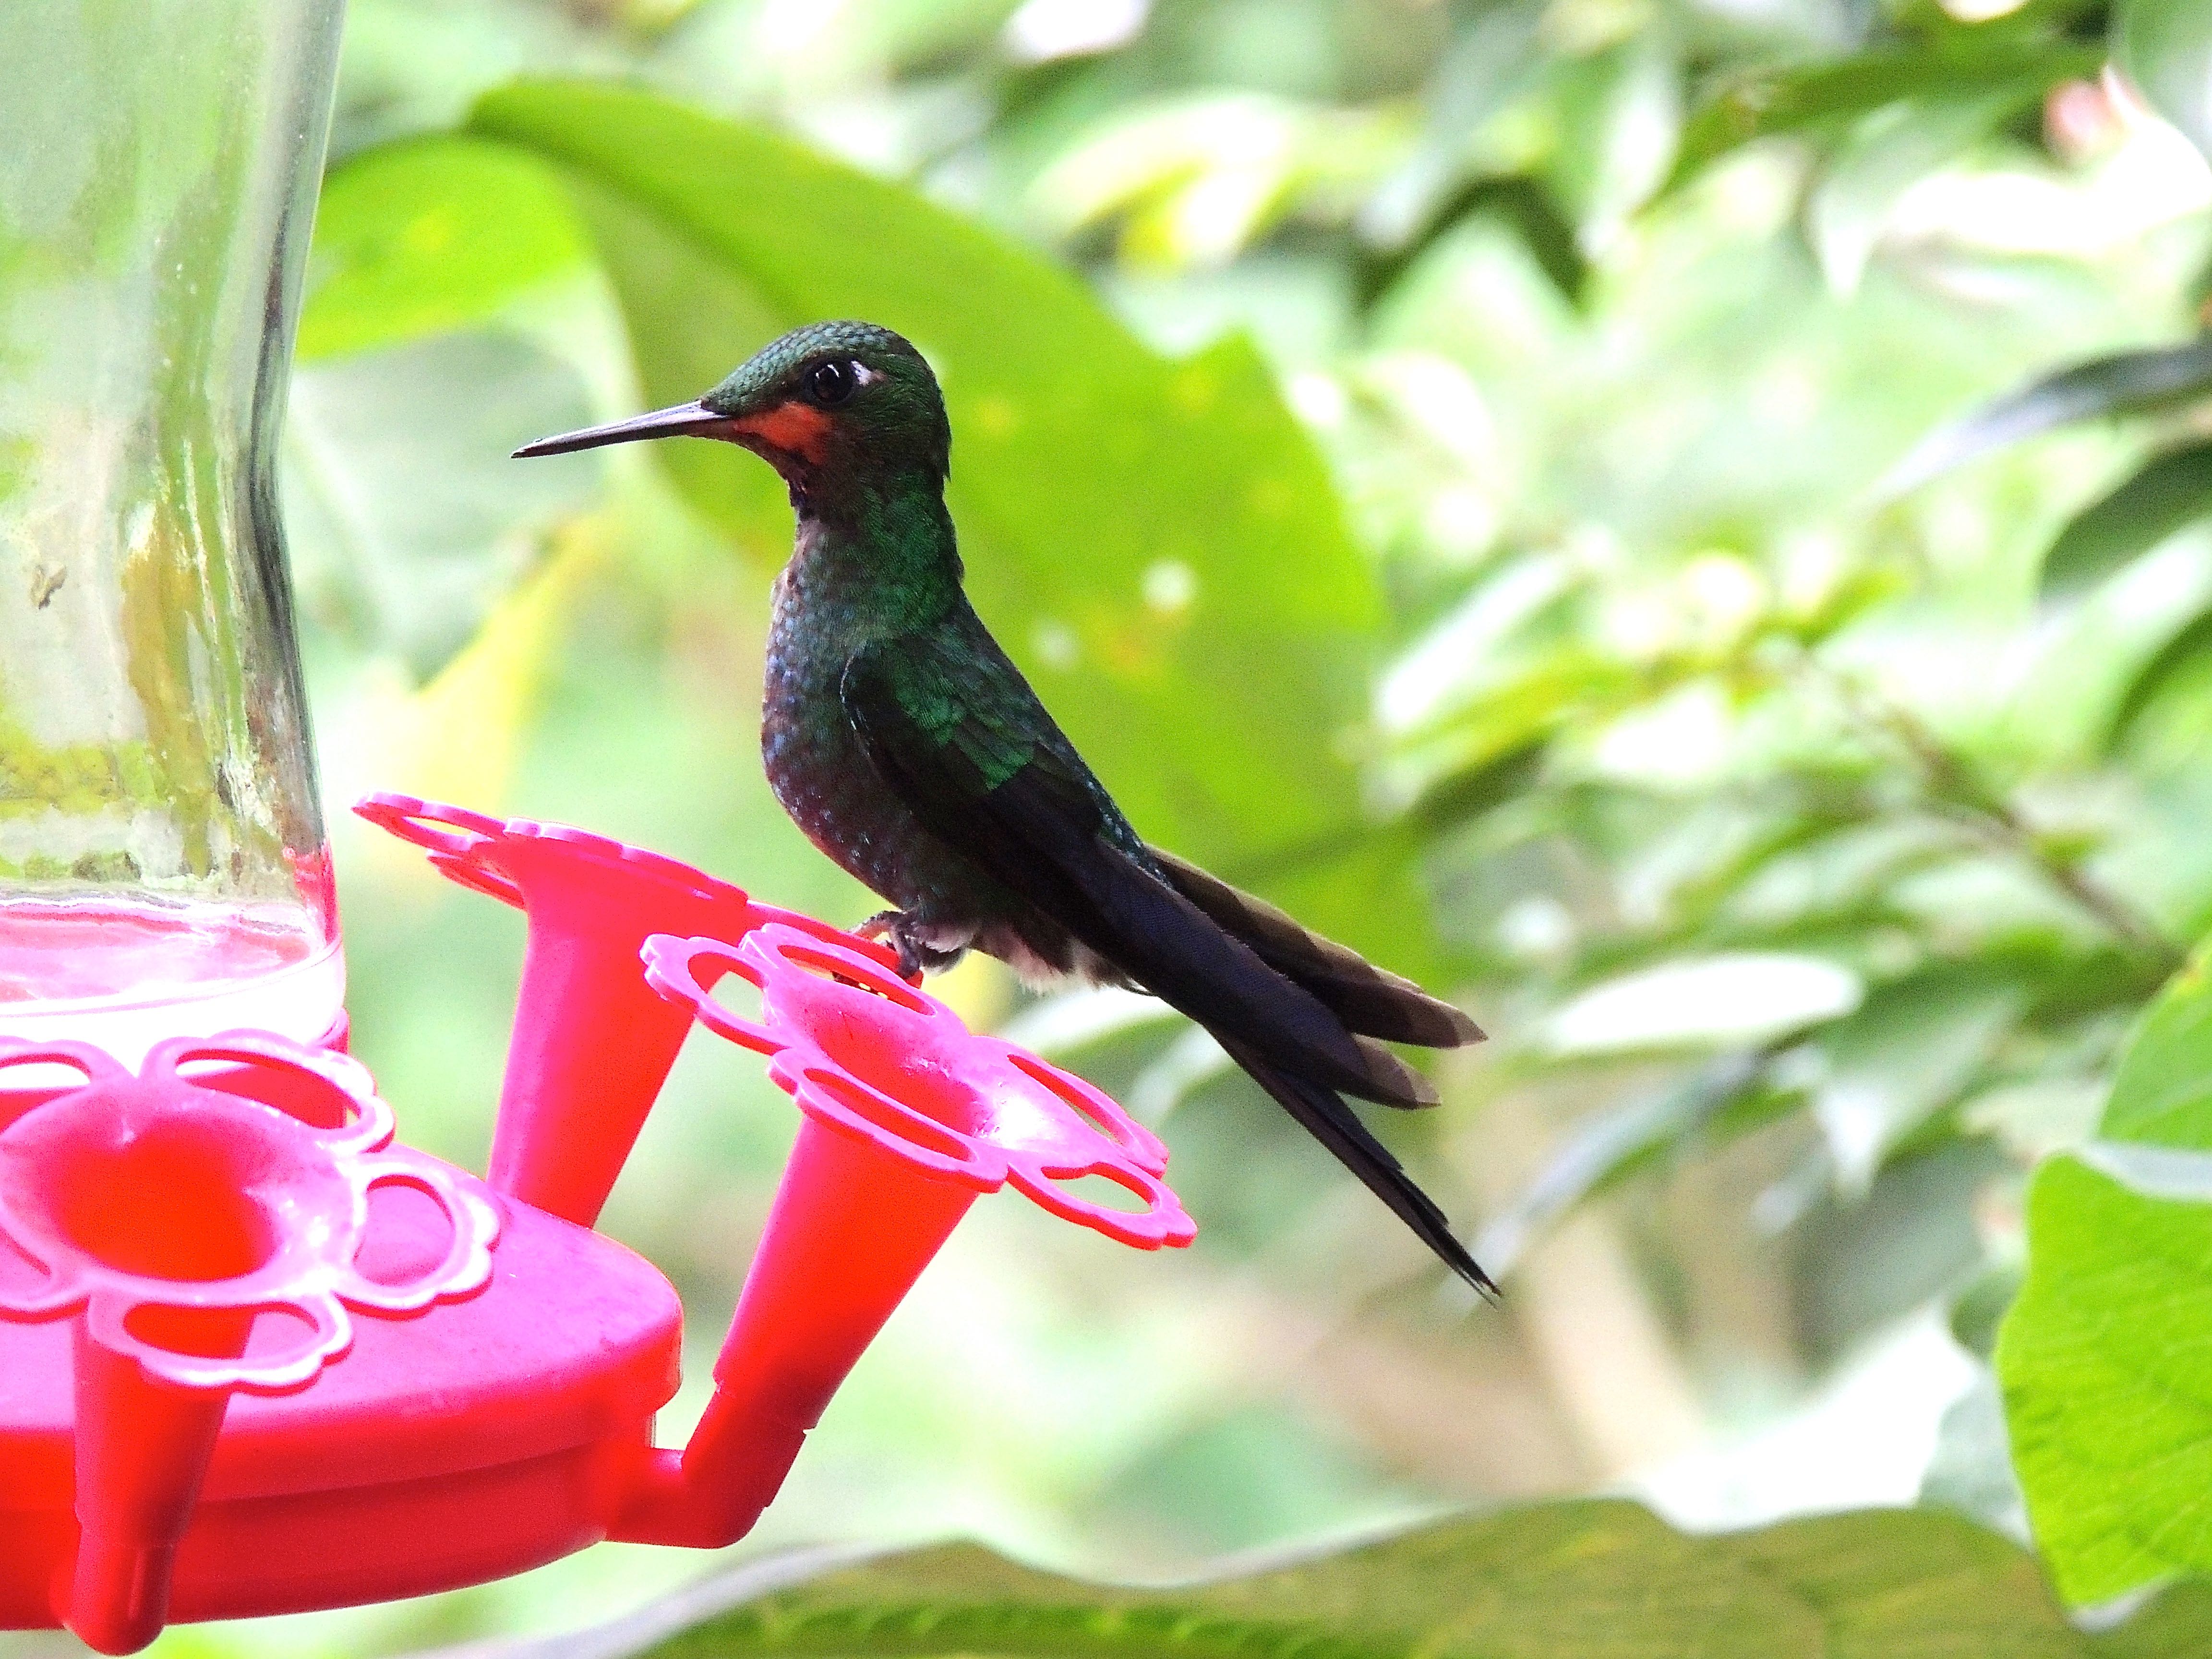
829	404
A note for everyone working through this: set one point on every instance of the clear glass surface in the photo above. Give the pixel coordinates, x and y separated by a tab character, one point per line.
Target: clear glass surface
163	866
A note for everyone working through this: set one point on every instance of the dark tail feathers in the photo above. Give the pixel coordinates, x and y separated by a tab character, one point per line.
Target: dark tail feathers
1369	1000
1373	1004
1332	1123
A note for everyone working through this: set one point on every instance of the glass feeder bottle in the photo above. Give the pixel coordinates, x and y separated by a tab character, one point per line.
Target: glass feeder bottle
163	863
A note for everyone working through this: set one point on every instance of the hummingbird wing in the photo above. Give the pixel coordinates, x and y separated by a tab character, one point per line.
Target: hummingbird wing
955	732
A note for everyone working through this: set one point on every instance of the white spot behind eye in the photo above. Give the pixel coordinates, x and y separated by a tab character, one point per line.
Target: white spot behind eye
863	376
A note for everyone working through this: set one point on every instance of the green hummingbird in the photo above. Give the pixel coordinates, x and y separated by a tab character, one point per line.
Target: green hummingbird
907	745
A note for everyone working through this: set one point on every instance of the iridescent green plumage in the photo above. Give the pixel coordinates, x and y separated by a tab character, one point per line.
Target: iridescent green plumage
908	746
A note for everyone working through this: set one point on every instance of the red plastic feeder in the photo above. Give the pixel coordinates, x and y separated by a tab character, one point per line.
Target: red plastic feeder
256	1358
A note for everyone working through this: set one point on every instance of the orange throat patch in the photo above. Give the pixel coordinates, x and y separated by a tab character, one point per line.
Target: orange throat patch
797	428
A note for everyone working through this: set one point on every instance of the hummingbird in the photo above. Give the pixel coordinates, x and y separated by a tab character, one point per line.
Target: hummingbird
905	744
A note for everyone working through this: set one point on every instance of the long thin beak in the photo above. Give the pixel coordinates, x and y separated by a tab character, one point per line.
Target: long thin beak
692	418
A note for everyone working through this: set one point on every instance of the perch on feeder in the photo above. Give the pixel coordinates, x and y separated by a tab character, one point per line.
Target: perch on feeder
255	1356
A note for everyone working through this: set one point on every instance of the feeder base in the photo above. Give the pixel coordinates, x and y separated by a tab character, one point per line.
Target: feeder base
478	1439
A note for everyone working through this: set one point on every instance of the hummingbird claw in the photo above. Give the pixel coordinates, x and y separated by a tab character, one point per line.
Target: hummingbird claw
916	955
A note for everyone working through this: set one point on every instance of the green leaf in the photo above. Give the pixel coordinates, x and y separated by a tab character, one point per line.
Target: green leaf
1157	543
1194	178
1559	1580
2103	1358
2162	1093
412	524
2178	1620
1619	114
2106	1364
2014	72
1490	64
2166	667
425	238
1737	997
1886	154
2166	47
2173	490
408	523
1916	1046
1980	1309
2129	383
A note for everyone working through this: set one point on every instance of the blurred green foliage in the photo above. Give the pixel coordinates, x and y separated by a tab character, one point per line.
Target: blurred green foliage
1683	522
1586	1578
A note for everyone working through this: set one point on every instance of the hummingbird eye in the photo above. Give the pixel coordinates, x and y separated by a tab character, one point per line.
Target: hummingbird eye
830	384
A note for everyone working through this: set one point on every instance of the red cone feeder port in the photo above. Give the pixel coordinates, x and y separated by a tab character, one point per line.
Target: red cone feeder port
256	1356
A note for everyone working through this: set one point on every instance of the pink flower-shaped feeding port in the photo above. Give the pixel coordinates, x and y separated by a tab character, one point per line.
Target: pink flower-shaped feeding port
200	1222
909	1115
144	1202
864	1053
591	1044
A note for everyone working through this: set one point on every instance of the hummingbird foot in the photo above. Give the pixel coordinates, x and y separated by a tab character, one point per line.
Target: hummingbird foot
907	934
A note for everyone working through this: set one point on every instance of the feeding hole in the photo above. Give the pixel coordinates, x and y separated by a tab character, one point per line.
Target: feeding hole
729	990
922	1130
202	1333
21	1277
27	1082
295	1090
165	1205
219	1333
1103	1192
477	878
37	1065
458	835
1074	1099
408	1235
840	970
